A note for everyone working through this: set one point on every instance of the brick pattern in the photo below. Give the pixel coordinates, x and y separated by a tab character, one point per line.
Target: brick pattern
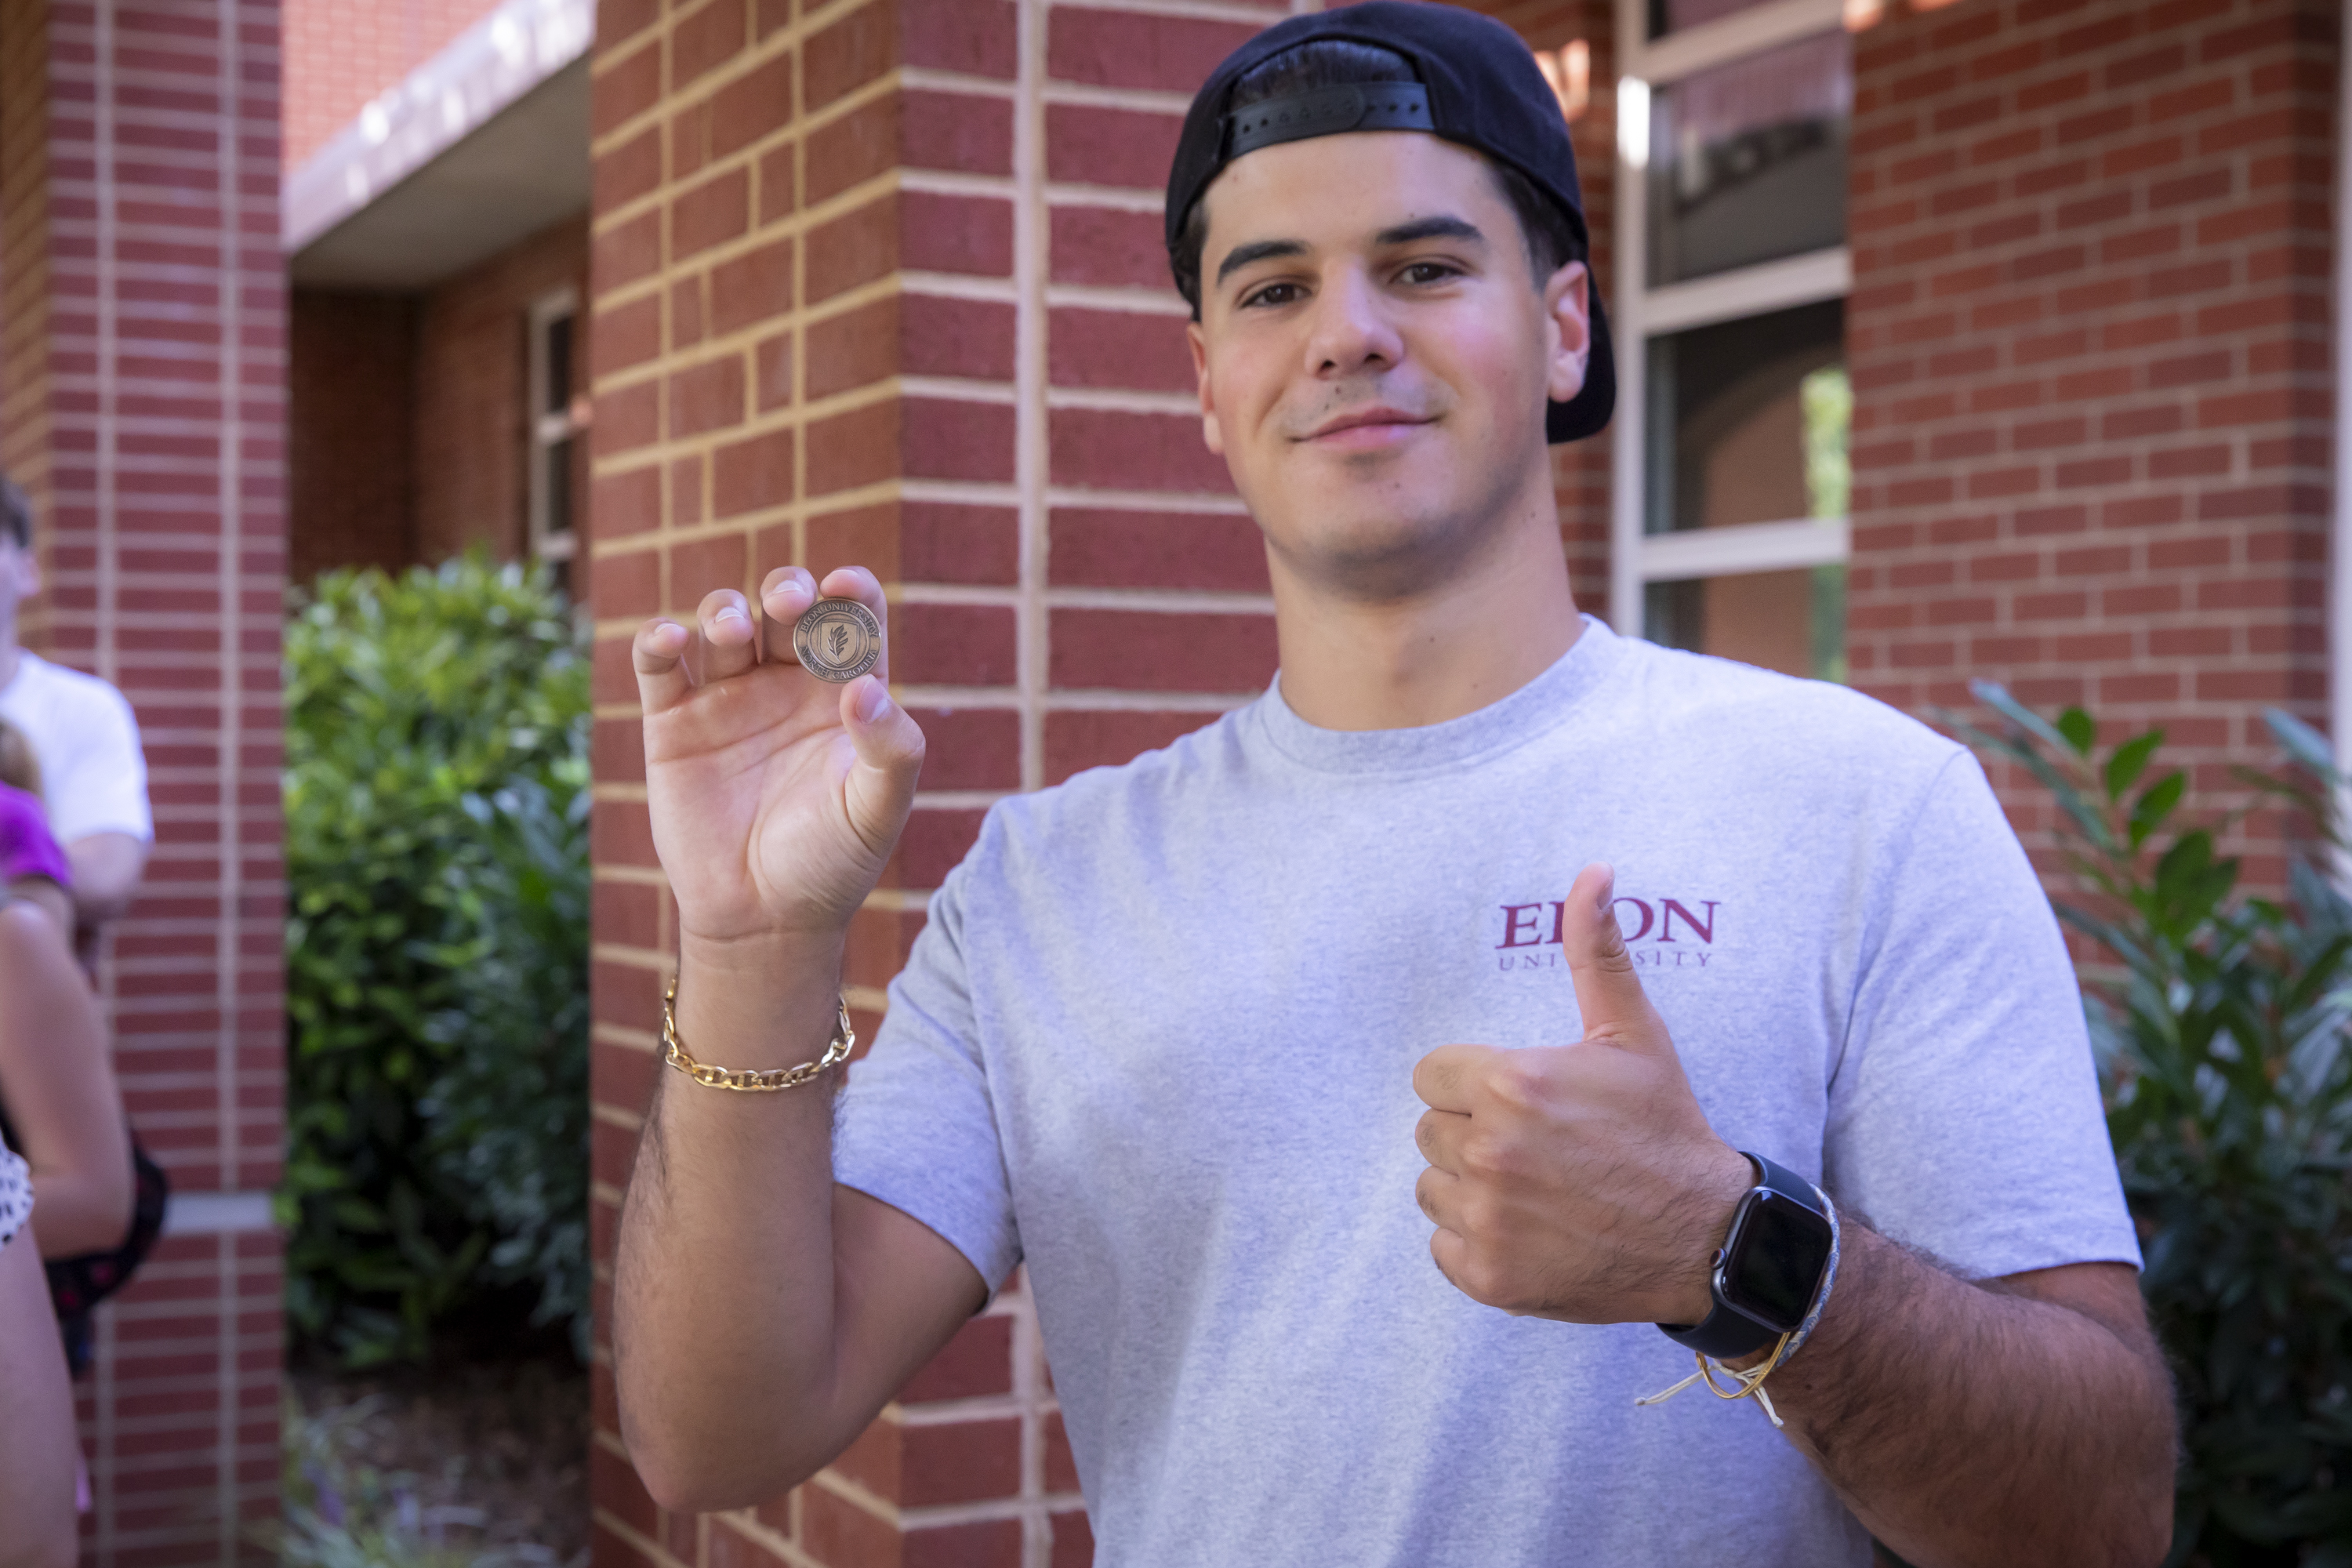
883	282
472	389
340	54
351	432
2090	343
144	312
410	424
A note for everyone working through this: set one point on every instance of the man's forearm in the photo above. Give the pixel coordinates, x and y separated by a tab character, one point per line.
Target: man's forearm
1969	1424
723	1319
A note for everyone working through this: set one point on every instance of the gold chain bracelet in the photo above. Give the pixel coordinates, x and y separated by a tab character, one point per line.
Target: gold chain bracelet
844	1040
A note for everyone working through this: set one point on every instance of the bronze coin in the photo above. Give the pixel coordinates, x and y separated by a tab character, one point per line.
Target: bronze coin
837	640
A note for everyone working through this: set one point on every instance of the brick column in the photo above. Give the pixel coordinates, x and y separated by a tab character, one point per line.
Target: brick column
2090	340
142	324
882	280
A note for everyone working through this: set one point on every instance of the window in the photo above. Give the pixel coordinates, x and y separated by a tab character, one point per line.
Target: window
1731	484
557	422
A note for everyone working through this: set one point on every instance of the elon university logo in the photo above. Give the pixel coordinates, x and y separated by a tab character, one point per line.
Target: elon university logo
1661	933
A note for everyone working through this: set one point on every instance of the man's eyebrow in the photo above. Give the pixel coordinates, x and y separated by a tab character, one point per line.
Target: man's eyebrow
1242	255
1439	228
1443	227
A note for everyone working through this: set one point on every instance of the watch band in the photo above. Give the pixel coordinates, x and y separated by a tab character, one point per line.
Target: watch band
1727	1332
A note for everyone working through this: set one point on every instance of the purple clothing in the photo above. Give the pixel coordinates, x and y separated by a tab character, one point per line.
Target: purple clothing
28	849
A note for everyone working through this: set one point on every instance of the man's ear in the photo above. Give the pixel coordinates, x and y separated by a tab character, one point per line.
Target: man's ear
1211	436
28	571
1569	309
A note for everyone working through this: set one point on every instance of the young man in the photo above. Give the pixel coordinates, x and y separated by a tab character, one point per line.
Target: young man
84	739
1212	1041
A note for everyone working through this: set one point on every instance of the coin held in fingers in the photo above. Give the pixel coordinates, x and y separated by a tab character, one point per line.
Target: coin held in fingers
837	640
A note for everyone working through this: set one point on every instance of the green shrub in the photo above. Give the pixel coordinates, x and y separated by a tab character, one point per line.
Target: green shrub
437	798
2220	1024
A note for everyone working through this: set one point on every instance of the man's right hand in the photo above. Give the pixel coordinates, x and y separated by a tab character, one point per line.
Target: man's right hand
775	798
775	801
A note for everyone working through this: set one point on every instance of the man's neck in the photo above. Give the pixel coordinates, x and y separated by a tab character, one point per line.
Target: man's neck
12	658
1496	623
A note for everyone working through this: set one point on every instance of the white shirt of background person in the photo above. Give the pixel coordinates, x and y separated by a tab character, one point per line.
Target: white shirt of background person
93	773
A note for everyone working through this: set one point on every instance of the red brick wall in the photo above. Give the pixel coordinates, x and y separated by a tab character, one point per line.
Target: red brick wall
350	437
472	384
144	312
2090	340
410	426
340	54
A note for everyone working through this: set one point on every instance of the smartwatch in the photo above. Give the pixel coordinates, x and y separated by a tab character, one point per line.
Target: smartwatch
1767	1269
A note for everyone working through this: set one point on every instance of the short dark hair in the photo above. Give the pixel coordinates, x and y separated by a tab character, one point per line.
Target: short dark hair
1550	235
15	513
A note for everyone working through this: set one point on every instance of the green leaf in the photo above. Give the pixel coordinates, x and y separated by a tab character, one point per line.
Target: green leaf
2125	766
2155	803
2079	731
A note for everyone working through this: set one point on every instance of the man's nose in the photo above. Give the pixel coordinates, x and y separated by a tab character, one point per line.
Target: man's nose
1349	329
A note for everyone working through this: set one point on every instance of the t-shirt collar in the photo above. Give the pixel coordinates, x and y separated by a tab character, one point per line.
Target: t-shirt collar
1510	722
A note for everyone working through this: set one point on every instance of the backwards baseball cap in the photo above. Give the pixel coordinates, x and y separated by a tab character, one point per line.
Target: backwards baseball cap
1477	86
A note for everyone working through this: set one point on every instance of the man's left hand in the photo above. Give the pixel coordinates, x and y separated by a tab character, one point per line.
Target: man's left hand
1578	1182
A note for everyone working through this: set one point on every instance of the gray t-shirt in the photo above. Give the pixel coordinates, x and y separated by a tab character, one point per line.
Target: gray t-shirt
1157	1042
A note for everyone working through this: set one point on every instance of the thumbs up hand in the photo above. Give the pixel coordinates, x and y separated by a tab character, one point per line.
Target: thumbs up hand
1580	1182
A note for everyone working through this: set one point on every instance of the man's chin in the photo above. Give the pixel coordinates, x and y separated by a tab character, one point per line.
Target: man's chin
1375	553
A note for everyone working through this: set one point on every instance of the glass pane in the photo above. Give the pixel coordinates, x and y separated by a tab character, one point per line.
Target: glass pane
559	366
1748	421
1793	622
558	458
1748	161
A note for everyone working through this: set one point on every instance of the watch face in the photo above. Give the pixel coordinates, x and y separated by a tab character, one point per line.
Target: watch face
1771	1266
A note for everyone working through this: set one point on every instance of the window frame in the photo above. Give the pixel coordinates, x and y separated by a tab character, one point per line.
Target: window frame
1640	312
548	429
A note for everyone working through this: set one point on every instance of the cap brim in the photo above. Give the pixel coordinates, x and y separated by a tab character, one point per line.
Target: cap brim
1588	412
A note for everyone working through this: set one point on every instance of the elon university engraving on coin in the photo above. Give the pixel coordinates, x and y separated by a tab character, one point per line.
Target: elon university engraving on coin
837	640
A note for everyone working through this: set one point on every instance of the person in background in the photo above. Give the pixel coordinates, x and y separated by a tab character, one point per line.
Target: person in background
38	1451
93	775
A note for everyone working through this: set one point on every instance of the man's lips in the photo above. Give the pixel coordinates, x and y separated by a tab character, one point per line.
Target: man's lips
1365	426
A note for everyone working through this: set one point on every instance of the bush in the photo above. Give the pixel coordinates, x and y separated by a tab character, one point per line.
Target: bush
2220	1024
437	798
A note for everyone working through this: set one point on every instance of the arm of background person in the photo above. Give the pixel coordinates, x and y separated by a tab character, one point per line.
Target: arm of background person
58	1086
761	1315
47	896
37	1439
106	871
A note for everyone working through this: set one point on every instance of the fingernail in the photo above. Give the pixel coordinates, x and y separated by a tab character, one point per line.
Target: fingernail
731	613
873	702
1608	893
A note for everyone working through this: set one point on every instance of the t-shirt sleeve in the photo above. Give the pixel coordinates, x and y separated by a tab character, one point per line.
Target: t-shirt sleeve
97	782
917	1126
1964	1114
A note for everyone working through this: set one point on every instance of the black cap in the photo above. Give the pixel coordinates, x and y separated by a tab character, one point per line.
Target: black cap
1478	86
